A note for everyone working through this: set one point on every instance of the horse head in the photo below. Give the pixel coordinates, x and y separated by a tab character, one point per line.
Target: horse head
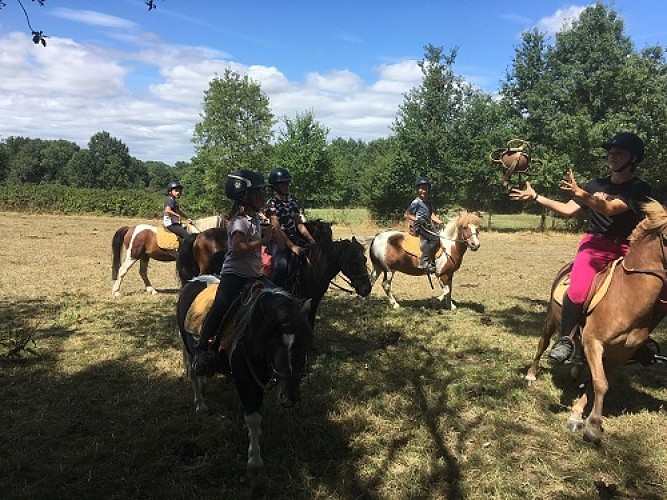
320	230
289	341
468	229
354	266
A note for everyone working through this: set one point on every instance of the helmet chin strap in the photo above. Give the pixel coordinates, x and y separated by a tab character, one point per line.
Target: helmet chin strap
631	162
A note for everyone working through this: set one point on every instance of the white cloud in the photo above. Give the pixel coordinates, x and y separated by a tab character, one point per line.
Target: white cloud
93	18
560	20
151	97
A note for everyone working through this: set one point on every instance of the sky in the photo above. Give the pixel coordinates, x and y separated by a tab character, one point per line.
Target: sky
141	76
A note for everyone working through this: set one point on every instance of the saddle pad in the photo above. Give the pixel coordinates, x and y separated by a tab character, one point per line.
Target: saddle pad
166	239
599	291
199	309
411	245
194	319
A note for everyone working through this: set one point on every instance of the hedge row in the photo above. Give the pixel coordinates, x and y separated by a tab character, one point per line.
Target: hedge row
51	198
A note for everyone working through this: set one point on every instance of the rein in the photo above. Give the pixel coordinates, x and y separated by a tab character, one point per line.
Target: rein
654	271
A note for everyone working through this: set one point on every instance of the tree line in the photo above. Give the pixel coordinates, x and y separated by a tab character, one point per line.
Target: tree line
566	96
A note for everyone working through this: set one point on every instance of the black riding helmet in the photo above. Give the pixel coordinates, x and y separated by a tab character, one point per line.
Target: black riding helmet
174	185
421	181
239	182
629	142
278	175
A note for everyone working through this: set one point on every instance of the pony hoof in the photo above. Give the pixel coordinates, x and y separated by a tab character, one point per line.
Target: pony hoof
115	295
151	291
592	436
575	424
530	380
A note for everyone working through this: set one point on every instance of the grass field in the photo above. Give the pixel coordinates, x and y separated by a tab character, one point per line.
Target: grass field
409	403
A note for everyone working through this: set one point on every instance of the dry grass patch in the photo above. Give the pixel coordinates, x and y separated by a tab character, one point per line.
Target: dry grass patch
412	403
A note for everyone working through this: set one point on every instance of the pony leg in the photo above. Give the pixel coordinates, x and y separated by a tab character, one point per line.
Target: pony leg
446	296
547	333
197	383
129	262
143	272
386	286
600	386
252	422
375	274
576	419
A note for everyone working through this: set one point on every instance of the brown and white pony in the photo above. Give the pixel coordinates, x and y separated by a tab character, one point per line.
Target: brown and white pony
622	320
140	244
388	255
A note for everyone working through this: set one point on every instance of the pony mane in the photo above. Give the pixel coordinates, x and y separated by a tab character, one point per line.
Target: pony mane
461	219
280	307
655	221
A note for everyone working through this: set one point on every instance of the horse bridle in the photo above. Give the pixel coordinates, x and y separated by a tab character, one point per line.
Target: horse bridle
654	271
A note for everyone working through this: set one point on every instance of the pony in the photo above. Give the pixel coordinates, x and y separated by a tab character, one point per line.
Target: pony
140	244
389	255
621	321
204	253
321	262
270	338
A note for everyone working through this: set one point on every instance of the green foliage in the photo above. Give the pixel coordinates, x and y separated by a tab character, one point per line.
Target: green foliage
70	200
235	132
302	148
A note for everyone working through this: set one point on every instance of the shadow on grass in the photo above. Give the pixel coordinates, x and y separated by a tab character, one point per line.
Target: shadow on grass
377	395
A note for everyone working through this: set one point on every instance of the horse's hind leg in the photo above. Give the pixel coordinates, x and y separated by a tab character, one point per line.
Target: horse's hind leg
547	333
386	286
143	272
127	264
252	422
197	383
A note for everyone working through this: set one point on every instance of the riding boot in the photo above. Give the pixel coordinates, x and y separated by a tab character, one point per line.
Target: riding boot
426	263
570	320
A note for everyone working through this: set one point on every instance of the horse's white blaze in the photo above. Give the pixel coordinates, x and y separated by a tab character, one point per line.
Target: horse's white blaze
288	339
253	422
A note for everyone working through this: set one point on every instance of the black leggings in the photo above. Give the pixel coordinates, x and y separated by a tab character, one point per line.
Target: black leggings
178	230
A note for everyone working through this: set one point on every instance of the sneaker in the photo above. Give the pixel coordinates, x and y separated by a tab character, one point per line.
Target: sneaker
562	350
206	364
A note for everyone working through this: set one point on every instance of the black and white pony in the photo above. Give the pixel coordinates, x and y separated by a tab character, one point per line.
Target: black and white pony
265	341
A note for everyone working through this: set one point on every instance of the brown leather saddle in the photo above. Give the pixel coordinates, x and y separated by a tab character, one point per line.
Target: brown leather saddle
597	291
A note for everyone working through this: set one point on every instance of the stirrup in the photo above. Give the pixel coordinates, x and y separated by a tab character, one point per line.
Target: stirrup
563	351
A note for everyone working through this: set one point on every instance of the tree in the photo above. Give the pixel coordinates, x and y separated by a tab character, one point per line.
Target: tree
55	156
302	148
113	159
234	133
422	128
347	171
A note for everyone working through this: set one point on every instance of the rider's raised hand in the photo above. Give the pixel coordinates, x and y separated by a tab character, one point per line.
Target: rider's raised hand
517	194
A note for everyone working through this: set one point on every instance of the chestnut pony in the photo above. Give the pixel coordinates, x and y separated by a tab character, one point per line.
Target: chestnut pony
140	244
388	255
622	320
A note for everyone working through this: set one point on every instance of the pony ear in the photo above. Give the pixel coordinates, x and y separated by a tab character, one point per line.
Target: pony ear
354	239
305	308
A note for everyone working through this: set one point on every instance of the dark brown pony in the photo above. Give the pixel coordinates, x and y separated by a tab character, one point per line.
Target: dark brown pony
388	255
204	253
623	319
140	244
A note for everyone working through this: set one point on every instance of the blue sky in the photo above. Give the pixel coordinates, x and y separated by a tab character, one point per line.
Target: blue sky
141	76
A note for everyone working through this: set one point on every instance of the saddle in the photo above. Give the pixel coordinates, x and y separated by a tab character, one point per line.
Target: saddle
411	245
194	318
167	240
597	291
